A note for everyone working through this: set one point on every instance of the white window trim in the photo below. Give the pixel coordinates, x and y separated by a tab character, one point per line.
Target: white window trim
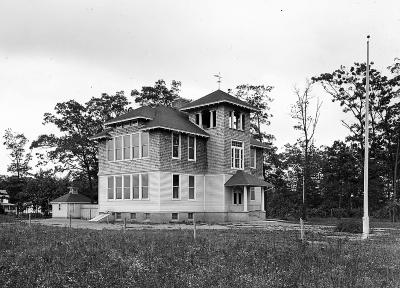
123	187
233	162
179	147
130	187
177	216
194	188
130	148
115	187
212	118
141	187
241	198
253	156
254	191
194	148
140	146
180	187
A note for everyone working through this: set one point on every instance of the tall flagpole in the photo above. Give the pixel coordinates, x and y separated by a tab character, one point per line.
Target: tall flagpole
366	151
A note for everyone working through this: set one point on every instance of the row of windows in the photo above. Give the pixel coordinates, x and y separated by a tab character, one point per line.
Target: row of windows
208	119
177	146
136	187
237	196
133	216
130	146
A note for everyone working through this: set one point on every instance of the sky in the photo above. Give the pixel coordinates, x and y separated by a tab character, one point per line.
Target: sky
54	51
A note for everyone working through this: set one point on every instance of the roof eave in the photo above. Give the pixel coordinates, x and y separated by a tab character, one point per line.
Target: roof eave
127	119
254	109
173	129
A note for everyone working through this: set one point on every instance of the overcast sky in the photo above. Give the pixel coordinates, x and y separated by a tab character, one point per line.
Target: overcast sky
53	51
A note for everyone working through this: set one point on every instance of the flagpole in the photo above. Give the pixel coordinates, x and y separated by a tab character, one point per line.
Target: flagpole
366	151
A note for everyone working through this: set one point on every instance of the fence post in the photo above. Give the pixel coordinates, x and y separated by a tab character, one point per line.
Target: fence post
70	221
124	224
301	230
29	219
194	226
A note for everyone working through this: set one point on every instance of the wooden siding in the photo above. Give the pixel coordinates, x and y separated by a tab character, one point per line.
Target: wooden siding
258	171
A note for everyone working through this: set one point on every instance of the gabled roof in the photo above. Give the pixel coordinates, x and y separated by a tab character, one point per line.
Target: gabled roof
144	112
159	117
216	97
242	178
72	198
258	144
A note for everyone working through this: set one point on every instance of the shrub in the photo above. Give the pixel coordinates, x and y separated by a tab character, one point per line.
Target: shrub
349	226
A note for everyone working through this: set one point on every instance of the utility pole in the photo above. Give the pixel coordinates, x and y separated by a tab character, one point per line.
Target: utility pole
365	233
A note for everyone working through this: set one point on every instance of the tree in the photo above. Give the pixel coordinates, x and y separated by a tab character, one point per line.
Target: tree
257	96
72	150
306	122
19	158
160	94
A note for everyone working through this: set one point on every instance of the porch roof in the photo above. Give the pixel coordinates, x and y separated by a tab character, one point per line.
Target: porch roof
72	198
242	178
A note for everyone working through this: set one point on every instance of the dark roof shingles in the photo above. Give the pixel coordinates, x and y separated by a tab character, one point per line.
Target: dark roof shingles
72	198
244	179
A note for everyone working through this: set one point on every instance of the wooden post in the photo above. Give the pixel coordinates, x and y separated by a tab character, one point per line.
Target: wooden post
70	221
194	227
29	219
124	224
90	213
301	230
108	222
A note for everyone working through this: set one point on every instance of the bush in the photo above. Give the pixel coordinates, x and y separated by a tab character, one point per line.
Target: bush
349	226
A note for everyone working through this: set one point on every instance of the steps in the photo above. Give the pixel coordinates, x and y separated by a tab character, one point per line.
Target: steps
100	217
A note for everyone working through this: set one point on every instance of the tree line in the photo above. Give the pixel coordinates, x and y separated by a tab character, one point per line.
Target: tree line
308	180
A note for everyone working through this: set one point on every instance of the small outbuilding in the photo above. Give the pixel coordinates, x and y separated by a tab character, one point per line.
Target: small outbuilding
73	205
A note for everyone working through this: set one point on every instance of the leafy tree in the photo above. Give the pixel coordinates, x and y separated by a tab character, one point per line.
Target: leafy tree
72	150
19	158
160	94
307	121
257	96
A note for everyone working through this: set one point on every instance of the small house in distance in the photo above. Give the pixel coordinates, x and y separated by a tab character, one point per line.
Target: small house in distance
6	206
162	164
73	205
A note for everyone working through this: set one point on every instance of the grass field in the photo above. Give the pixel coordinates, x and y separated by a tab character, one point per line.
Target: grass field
41	256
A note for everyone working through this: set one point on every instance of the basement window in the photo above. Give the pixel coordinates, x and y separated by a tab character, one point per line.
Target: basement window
190	216
133	216
174	216
118	216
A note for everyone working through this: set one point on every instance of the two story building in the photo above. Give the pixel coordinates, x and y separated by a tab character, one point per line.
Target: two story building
162	164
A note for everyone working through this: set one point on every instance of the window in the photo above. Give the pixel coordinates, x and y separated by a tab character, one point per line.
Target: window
118	187
110	192
175	186
127	147
133	216
253	158
118	216
145	144
127	187
174	216
237	158
252	194
118	148
146	216
198	119
243	116
135	185
176	145
110	149
236	120
145	186
191	148
191	188
237	198
190	216
205	119
213	118
135	145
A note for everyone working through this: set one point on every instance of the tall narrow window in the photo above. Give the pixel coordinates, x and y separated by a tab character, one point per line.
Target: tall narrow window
253	158
127	186
135	186
175	186
191	148
145	186
237	158
231	119
213	118
118	187
118	148
243	116
205	119
110	149
127	147
110	192
145	144
135	146
176	145
237	198
191	188
252	194
198	119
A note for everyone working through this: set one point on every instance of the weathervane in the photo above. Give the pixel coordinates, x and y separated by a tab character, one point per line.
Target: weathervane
219	80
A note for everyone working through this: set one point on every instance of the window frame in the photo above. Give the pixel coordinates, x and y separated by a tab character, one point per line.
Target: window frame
116	150
179	145
194	188
233	155
252	192
253	157
237	197
179	187
141	187
174	214
141	144
194	147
